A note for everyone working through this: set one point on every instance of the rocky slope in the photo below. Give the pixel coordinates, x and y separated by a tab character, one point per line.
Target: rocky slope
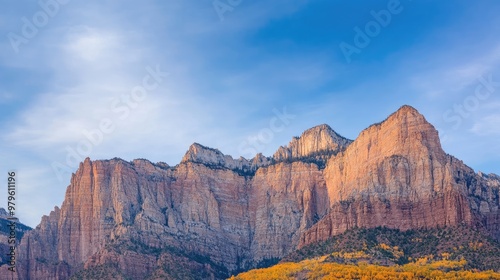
220	215
457	252
389	247
5	234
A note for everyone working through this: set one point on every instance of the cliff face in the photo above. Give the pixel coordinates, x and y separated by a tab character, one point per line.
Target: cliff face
400	157
138	215
396	174
284	201
217	215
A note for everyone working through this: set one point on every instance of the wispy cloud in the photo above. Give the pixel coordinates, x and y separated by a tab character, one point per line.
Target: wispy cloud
487	126
447	78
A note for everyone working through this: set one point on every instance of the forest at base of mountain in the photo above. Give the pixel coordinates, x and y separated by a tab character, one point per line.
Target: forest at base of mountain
382	253
320	268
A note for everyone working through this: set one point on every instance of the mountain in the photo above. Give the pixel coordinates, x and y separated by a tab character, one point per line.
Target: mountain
397	175
218	216
5	234
316	142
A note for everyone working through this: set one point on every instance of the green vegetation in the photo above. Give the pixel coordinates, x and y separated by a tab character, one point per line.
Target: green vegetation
107	271
319	158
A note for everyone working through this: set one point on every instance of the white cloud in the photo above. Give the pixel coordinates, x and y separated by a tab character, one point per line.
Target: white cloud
451	78
487	126
90	44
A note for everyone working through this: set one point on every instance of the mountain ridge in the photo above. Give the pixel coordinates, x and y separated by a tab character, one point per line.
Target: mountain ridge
324	139
221	215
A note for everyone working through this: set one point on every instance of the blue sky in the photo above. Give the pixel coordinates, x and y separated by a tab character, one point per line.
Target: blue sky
243	77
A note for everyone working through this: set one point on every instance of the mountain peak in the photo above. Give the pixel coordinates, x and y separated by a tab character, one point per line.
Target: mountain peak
320	140
3	213
315	140
404	116
407	108
404	132
202	154
198	153
407	112
319	128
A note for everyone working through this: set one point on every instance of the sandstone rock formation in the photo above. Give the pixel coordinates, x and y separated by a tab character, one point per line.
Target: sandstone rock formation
396	174
315	141
220	215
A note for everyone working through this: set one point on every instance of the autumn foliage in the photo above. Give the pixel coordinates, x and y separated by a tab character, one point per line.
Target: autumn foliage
319	268
382	253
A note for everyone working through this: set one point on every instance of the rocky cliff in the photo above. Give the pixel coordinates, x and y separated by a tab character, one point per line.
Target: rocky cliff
218	215
210	209
396	174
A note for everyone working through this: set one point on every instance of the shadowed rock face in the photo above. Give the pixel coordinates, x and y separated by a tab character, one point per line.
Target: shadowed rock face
6	237
218	215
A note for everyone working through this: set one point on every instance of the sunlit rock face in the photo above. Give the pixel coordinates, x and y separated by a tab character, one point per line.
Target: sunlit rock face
396	174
